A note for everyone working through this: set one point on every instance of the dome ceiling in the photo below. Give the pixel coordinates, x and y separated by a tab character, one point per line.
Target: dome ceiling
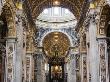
56	43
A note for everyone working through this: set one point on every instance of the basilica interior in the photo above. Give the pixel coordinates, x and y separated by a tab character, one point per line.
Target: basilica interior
54	40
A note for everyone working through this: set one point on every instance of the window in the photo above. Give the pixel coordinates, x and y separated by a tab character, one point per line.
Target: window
56	10
56	14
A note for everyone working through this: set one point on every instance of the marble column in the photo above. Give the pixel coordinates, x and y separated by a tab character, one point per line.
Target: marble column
103	56
10	59
93	49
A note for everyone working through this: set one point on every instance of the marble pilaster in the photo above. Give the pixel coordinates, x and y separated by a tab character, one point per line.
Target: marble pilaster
10	59
103	56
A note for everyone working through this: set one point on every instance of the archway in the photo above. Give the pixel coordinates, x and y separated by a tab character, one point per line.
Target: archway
56	45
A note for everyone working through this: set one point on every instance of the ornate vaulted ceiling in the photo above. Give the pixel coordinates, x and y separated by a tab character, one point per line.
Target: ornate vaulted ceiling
35	7
56	43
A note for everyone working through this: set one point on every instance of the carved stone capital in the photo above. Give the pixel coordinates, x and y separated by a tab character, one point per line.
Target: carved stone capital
92	17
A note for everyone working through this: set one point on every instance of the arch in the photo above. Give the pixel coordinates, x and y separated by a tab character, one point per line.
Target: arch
71	43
